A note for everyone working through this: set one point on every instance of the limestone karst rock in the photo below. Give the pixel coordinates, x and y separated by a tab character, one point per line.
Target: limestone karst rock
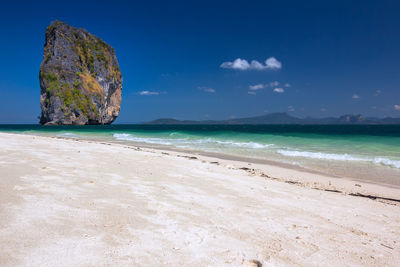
80	79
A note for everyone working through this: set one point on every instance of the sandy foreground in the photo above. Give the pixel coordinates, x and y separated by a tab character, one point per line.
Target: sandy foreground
82	203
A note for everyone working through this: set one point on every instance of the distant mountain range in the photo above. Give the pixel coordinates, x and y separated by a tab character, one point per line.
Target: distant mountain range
284	118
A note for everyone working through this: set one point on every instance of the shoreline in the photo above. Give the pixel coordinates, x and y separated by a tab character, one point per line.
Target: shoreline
244	159
82	202
369	173
259	167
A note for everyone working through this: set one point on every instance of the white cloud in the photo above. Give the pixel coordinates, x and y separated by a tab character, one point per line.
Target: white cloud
290	108
148	93
242	64
279	90
287	85
355	96
397	107
271	84
257	65
238	64
323	109
273	64
251	93
274	84
206	89
377	92
257	86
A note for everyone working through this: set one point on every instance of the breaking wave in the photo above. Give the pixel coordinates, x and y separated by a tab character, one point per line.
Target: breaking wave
318	155
339	157
148	140
387	162
188	142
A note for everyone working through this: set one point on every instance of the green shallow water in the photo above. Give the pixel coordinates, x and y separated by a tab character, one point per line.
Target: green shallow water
370	152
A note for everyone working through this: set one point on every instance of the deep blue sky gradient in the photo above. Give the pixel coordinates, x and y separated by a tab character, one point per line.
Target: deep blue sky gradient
330	50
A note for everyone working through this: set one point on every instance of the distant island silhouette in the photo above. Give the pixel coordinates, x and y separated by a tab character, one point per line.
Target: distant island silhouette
284	118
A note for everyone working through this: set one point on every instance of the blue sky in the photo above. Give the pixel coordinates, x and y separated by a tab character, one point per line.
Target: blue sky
180	58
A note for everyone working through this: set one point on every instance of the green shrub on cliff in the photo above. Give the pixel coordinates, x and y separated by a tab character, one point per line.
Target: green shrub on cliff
71	97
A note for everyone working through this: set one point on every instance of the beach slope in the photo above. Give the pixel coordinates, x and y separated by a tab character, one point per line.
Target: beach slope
67	203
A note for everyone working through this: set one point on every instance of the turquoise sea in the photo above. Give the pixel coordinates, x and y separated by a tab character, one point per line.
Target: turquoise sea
365	152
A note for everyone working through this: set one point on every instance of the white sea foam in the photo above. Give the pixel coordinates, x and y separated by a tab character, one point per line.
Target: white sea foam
340	157
231	143
67	135
149	140
188	142
319	155
387	162
243	144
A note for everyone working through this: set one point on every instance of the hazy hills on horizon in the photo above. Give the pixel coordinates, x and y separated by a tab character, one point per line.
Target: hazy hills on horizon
284	118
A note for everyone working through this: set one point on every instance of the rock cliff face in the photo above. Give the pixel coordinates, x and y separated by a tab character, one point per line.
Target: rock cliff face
80	79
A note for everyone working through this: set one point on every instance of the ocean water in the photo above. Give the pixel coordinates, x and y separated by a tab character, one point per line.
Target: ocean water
365	152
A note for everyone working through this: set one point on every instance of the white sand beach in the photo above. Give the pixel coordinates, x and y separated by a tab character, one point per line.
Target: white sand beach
84	203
